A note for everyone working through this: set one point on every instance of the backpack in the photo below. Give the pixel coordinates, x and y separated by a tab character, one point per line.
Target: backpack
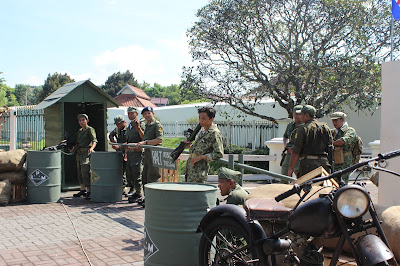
357	150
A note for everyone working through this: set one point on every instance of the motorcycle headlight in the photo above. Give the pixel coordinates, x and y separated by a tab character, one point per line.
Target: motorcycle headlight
351	201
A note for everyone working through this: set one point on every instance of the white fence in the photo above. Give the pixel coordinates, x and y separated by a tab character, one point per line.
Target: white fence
251	134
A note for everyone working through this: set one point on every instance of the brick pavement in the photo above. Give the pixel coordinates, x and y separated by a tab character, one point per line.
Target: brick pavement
42	234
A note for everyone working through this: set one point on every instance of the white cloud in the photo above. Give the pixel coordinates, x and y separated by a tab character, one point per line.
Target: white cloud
34	81
145	64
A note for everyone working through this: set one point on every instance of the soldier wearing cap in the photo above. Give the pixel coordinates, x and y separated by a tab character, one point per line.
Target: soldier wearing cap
310	144
134	134
118	135
86	142
288	141
344	139
206	147
228	183
152	135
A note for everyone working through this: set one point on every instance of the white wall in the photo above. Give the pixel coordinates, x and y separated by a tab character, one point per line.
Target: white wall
366	125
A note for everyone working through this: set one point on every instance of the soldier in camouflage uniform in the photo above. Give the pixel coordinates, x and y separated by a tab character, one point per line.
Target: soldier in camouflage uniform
118	135
311	143
288	141
153	135
206	147
344	138
86	142
134	134
228	183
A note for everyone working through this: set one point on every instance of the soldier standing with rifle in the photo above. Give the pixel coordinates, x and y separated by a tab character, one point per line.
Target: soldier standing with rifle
288	141
207	147
311	143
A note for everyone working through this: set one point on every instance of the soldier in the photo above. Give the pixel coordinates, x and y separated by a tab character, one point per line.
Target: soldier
344	139
228	183
288	140
310	144
206	147
118	135
134	134
86	142
153	134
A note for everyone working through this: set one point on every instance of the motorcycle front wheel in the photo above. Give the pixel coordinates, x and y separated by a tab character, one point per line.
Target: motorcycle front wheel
226	242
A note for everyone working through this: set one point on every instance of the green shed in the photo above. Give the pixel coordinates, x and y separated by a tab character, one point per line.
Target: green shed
60	112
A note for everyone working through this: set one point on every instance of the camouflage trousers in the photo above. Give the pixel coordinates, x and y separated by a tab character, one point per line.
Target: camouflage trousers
285	165
307	165
198	172
348	161
134	171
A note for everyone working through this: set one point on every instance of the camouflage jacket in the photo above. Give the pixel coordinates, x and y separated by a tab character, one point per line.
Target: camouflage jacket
208	142
348	135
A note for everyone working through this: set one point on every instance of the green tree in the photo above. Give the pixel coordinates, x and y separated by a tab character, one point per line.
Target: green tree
34	97
320	52
7	97
23	93
54	82
117	81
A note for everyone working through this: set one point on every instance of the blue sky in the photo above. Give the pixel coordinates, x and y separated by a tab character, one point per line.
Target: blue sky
94	39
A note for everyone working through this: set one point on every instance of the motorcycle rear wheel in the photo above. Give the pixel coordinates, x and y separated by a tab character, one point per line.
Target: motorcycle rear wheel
230	244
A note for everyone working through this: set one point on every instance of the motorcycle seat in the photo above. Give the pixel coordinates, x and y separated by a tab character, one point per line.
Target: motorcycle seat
266	209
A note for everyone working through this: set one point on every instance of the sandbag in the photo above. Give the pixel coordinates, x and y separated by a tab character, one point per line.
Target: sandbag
273	190
391	226
12	160
15	177
5	192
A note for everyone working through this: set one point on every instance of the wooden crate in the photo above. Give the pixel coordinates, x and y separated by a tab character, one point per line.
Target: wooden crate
169	175
18	193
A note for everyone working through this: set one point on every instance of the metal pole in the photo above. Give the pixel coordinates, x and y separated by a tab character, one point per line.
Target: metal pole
241	160
391	39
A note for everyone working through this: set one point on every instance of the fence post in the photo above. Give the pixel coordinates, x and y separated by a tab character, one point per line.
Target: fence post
13	129
176	128
276	147
231	162
253	146
241	160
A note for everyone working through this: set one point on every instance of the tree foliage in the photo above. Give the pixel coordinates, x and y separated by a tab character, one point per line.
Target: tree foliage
54	82
175	94
23	93
117	81
321	52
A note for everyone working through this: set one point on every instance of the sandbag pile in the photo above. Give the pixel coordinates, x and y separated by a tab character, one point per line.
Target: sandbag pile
13	174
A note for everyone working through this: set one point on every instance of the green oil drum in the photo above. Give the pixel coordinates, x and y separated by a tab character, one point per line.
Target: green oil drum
44	176
106	175
173	212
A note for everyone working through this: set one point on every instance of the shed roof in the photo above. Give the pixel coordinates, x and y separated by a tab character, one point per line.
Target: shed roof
68	88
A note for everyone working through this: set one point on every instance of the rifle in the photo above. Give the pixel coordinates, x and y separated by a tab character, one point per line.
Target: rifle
183	145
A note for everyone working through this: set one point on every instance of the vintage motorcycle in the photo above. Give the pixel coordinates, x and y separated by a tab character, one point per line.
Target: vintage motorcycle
232	235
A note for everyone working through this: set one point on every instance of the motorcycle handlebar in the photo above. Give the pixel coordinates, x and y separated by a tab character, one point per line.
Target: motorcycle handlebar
295	190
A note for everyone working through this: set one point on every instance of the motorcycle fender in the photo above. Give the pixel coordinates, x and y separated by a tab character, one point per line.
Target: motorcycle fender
372	250
239	214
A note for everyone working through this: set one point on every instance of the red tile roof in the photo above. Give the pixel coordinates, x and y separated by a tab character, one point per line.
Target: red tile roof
133	100
139	92
159	101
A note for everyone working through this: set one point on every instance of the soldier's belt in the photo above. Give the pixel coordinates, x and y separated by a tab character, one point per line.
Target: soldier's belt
313	157
192	155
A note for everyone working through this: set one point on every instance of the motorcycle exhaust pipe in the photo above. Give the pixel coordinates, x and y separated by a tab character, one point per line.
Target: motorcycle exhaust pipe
276	246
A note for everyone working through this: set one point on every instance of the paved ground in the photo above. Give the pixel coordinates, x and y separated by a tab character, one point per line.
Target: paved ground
73	232
44	234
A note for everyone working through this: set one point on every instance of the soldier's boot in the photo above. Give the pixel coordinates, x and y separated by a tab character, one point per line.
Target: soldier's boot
80	193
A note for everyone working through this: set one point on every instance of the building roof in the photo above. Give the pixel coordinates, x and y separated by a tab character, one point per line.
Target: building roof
129	89
133	100
163	101
68	88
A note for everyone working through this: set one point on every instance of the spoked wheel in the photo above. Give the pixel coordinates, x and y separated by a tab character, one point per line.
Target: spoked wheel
226	242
